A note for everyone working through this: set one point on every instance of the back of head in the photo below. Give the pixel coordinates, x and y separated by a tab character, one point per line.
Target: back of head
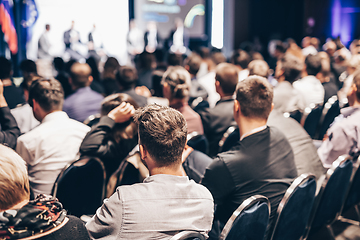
48	93
125	130
179	81
59	64
147	61
255	96
28	66
5	68
193	62
14	184
218	57
126	76
110	66
313	64
259	67
292	67
80	73
241	58
175	59
228	76
163	131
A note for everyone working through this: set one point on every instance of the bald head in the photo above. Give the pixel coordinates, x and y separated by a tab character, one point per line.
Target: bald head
227	76
80	74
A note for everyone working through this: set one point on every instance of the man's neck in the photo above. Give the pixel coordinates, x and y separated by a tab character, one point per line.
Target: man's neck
248	125
169	170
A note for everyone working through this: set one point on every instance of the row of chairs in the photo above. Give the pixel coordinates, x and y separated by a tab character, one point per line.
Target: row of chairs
316	119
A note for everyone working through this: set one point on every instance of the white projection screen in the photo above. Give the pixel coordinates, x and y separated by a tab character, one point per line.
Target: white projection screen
111	18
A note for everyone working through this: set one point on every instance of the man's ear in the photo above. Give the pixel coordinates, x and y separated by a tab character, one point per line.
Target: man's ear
143	152
90	79
70	81
237	109
272	107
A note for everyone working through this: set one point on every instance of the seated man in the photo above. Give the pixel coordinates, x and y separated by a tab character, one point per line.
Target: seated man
84	101
343	136
218	119
55	142
262	162
167	202
44	218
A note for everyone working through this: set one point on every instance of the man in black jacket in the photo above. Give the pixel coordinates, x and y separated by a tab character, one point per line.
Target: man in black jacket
9	129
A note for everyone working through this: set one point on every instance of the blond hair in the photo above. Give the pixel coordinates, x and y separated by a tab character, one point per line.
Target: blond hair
14	181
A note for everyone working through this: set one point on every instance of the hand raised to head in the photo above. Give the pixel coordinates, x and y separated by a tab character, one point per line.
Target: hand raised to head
122	113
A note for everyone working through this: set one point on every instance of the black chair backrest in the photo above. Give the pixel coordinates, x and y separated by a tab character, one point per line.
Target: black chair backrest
249	220
80	186
353	196
195	165
188	235
331	196
330	111
92	120
229	139
296	115
294	209
198	142
310	119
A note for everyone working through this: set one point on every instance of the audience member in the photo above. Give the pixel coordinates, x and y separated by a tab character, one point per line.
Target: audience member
325	75
310	86
262	162
146	65
343	136
96	84
192	65
9	130
259	68
305	152
44	44
308	47
115	135
218	119
352	65
84	101
132	212
62	76
44	218
12	93
55	142
286	97
208	80
23	113
176	88
126	79
241	59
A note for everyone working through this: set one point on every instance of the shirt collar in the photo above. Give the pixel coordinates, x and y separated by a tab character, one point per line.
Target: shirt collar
255	130
348	111
166	178
55	116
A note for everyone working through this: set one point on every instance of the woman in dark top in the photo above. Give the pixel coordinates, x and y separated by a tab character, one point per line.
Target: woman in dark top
112	138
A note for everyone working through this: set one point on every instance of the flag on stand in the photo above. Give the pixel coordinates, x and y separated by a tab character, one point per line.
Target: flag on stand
29	16
7	25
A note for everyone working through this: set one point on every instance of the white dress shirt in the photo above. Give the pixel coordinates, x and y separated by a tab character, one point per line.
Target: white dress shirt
311	88
49	147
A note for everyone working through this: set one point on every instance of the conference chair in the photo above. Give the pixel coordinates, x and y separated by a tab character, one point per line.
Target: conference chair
294	209
80	186
130	171
249	221
188	235
229	139
353	196
330	111
296	115
198	142
92	119
311	118
195	165
331	196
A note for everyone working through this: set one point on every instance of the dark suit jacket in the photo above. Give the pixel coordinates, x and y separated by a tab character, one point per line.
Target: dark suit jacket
9	128
216	121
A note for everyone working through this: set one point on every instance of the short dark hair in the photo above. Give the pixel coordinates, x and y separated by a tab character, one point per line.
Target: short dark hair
112	101
127	77
259	67
255	96
193	61
228	76
313	64
175	59
28	66
80	73
163	131
48	93
5	68
240	58
292	67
